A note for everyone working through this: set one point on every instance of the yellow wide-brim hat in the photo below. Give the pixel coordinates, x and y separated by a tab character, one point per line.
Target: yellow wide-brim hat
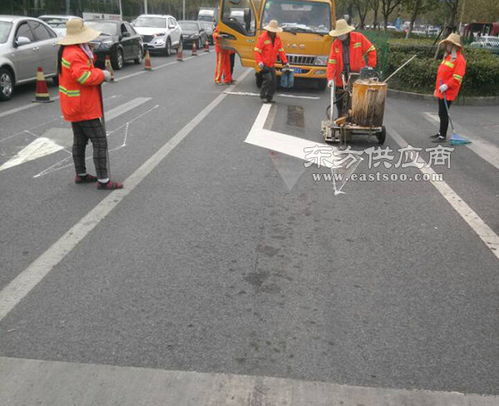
454	39
78	33
341	28
273	26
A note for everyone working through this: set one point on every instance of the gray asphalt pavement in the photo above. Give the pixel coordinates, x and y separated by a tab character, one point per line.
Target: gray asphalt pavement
229	258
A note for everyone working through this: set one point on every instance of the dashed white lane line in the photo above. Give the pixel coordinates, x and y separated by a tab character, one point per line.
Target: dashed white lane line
55	383
486	234
291	96
484	149
18	288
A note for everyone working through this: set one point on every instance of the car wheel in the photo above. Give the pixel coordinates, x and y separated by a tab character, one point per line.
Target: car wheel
140	56
118	60
168	47
6	84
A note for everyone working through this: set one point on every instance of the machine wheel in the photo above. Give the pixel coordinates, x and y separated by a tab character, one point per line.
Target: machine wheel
6	84
381	136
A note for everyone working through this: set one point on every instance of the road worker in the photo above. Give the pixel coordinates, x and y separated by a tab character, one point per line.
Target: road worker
348	54
268	47
81	101
223	73
449	79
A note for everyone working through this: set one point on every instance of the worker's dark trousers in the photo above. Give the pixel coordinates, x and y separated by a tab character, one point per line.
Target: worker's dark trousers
341	100
269	83
444	116
94	131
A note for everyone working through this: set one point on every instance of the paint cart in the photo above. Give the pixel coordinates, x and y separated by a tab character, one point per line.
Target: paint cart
364	100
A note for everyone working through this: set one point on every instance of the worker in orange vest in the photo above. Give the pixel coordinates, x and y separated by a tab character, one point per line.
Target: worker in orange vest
222	69
348	54
449	79
268	47
80	97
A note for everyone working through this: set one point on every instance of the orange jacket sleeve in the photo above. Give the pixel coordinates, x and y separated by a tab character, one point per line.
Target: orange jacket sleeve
258	50
457	76
369	49
332	63
84	74
282	54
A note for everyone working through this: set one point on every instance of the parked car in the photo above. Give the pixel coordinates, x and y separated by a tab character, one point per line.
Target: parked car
208	27
160	33
193	33
57	23
118	40
487	42
25	44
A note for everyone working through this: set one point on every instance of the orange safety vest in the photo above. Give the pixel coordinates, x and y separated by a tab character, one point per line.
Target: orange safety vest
450	73
360	47
267	53
78	86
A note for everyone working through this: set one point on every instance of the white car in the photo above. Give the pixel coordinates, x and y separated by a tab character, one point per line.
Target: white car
160	33
57	23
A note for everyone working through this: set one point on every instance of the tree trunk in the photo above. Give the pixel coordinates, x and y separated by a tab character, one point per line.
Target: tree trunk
415	12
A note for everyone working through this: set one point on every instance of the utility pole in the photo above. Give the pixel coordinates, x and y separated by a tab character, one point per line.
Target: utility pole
183	9
145	7
121	8
462	16
68	7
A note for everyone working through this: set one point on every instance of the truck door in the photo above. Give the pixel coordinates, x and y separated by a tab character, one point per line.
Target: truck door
238	22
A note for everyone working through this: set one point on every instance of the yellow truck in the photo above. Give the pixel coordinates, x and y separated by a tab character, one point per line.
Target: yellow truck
306	24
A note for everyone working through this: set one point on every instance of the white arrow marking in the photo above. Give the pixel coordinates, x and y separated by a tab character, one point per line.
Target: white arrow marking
40	147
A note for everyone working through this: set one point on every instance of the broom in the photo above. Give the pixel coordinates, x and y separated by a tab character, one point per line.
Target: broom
455	139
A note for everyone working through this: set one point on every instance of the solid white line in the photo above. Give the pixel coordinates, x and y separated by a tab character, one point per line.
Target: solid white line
124	108
22	108
56	383
484	149
131	75
18	288
279	95
486	234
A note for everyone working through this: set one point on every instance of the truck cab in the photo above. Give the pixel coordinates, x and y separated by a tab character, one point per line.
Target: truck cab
306	25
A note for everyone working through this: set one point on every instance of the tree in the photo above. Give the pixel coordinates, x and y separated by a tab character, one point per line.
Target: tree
362	7
387	8
452	9
416	8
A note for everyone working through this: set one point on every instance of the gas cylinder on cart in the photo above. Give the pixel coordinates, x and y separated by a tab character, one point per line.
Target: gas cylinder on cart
368	103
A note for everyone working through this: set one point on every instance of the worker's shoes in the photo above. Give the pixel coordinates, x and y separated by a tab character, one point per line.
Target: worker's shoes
439	140
109	185
435	136
85	179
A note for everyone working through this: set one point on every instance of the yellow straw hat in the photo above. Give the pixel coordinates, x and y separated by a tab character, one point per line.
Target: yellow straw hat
78	33
273	26
454	39
341	28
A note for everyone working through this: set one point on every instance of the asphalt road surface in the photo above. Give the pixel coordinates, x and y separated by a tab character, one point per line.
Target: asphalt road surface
231	270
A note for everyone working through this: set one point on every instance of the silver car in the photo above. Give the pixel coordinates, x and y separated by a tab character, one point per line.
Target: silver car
25	44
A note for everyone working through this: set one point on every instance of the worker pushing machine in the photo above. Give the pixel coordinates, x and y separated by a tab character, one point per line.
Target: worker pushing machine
268	47
348	53
222	69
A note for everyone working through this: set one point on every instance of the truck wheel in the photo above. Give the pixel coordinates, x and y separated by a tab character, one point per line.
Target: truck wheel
381	136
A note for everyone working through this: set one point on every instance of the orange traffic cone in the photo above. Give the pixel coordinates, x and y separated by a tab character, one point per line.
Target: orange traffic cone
109	67
194	49
147	61
180	54
42	92
206	46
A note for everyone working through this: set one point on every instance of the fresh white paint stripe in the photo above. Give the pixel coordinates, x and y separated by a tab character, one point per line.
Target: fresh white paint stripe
18	288
56	383
126	107
293	96
484	149
486	234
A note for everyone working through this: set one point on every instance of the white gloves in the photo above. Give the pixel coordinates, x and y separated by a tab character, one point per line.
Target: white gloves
443	88
107	75
260	65
329	83
286	66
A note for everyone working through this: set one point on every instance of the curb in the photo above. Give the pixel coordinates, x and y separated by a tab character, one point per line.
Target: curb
462	100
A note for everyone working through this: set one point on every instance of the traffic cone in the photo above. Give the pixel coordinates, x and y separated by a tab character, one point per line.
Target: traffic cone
180	54
206	46
147	61
42	92
109	67
194	49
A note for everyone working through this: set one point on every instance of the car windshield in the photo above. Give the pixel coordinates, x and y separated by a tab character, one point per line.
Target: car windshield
298	16
4	31
205	17
55	22
151	22
189	26
104	28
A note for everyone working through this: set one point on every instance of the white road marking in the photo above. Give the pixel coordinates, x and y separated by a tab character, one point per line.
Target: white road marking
486	234
294	146
56	383
484	149
18	288
22	108
38	148
126	107
279	95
